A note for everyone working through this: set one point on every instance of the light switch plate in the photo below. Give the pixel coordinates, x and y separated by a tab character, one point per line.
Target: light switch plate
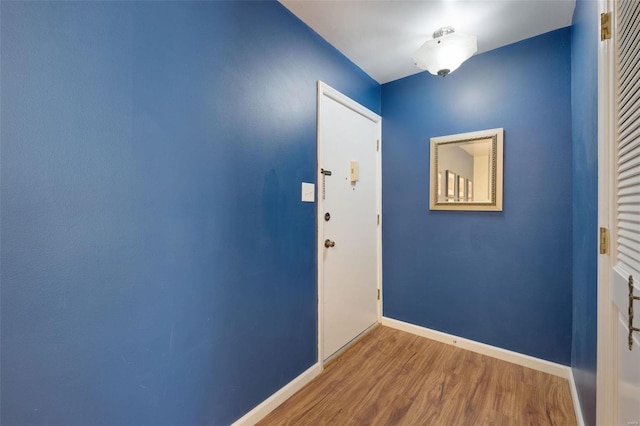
308	192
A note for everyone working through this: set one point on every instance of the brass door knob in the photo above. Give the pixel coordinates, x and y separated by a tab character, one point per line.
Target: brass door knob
328	243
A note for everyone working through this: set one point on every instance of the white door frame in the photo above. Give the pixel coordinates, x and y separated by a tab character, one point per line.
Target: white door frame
606	383
329	92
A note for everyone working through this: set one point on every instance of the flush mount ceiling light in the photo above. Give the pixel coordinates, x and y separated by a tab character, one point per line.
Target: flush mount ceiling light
445	52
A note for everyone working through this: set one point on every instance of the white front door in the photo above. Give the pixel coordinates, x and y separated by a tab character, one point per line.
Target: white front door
348	208
623	197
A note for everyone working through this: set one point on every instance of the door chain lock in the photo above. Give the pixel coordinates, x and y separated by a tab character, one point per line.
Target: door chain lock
324	174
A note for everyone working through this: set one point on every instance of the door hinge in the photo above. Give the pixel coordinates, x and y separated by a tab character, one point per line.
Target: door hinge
605	26
378	294
604	240
377	145
378	219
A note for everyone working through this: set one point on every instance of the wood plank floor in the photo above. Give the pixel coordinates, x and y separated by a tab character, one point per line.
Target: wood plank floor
391	377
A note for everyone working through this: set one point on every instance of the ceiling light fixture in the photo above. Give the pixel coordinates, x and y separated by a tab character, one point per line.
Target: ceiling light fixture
445	52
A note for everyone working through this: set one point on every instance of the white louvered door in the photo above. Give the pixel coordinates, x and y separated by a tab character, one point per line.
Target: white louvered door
625	216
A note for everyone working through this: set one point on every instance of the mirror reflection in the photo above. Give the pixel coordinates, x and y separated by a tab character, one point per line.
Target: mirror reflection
466	171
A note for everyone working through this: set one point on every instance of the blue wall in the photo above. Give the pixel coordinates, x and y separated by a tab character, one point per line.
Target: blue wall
584	76
502	278
158	266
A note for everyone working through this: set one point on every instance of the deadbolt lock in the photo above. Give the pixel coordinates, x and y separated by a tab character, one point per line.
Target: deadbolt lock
328	243
327	217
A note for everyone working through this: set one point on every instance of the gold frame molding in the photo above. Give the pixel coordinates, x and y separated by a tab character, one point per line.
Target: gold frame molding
497	153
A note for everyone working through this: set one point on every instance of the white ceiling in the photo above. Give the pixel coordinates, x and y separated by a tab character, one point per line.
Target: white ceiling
380	36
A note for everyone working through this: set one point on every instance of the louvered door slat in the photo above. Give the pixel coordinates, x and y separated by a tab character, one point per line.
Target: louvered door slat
627	93
629	220
627	13
630	199
627	42
629	208
629	174
630	153
627	227
628	136
630	235
628	260
630	98
628	57
631	92
632	162
624	77
629	190
627	184
630	246
626	9
629	132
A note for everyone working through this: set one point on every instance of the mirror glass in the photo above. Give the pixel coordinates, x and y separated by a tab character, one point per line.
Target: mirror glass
466	171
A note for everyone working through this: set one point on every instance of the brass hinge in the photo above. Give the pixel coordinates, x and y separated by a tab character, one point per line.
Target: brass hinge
604	241
377	145
605	26
378	219
378	294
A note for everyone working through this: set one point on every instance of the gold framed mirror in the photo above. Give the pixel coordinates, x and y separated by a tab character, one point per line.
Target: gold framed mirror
466	171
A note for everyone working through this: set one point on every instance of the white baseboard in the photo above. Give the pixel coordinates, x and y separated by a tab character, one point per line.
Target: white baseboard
271	403
482	348
576	400
495	352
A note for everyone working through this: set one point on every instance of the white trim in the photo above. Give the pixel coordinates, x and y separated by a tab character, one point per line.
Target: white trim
607	333
324	89
513	357
576	400
328	91
379	236
274	401
319	208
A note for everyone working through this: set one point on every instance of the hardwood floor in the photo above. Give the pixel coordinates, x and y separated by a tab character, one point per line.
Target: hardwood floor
391	377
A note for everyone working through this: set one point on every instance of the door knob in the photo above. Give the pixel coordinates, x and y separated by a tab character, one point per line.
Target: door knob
328	243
